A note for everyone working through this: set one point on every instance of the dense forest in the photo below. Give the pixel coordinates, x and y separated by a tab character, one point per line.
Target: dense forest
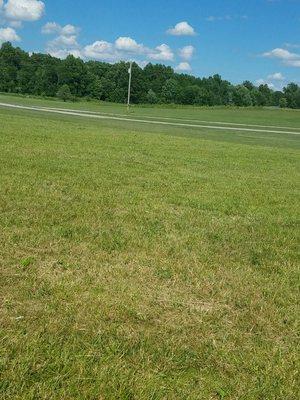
72	78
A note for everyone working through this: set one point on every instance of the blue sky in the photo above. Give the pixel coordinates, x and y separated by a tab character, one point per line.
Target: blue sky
257	40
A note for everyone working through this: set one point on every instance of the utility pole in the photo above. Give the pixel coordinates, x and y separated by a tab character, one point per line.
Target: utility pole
129	86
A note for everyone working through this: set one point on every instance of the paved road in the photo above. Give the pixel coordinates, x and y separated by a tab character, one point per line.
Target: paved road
152	122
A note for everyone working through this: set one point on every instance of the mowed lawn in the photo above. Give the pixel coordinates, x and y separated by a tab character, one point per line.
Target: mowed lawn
143	263
268	116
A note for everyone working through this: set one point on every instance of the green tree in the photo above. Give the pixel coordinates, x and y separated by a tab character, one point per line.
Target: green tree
96	88
266	95
190	94
45	79
242	97
276	97
292	95
283	102
64	93
13	61
156	75
151	97
170	91
108	86
258	98
249	85
73	72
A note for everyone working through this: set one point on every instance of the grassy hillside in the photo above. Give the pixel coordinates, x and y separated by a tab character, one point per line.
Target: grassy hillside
146	262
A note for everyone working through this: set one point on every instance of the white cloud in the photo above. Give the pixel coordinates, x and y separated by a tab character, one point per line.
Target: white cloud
69	30
274	81
124	48
24	10
130	45
214	18
277	76
183	66
142	64
53	28
65	53
50	28
259	82
62	46
182	29
280	53
161	53
288	58
101	50
186	52
15	24
8	35
264	82
64	41
292	45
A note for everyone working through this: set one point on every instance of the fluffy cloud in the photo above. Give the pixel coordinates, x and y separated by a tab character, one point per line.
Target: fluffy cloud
8	35
50	28
124	48
69	30
277	76
274	81
63	53
101	50
66	41
182	29
54	28
62	46
161	53
186	52
130	45
183	67
264	82
24	10
288	58
280	53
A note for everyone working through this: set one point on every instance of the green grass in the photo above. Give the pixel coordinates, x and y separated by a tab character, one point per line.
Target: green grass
146	262
277	117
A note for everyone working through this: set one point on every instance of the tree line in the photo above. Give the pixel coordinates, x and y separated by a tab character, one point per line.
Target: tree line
72	78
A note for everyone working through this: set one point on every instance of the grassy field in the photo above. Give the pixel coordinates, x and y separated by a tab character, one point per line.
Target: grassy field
145	262
277	117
